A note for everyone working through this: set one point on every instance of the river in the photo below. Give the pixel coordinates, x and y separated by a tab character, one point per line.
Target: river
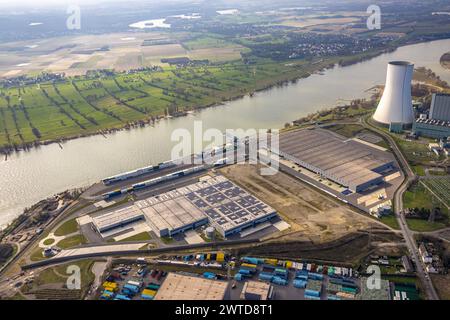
28	177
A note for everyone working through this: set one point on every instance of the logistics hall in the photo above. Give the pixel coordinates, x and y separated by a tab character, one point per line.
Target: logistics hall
344	161
214	200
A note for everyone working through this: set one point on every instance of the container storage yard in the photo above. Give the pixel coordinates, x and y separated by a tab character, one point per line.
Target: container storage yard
220	276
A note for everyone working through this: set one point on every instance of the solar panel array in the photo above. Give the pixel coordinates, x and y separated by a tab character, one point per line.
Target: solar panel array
216	199
227	205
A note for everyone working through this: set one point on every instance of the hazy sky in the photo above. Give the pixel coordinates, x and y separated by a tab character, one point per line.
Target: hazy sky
46	3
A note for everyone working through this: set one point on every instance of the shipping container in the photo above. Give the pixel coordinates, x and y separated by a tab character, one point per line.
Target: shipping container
268	267
273	262
310	292
301	277
135	283
131	288
315	276
209	275
220	257
280	281
152	286
149	292
121	297
299	284
265	276
252	260
307	296
238	277
245	272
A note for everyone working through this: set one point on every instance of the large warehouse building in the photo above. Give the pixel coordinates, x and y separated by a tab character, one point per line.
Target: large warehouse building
437	124
229	208
346	162
171	213
116	219
215	200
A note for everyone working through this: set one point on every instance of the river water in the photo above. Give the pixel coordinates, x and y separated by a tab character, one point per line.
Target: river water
27	177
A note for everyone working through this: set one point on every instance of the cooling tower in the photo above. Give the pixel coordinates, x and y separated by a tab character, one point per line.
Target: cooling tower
396	103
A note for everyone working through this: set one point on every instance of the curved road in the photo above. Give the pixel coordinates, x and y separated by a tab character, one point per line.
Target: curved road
408	235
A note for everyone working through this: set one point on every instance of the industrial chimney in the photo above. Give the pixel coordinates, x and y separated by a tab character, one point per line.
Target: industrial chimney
396	103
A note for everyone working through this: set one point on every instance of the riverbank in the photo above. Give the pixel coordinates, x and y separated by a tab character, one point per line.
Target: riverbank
30	176
302	70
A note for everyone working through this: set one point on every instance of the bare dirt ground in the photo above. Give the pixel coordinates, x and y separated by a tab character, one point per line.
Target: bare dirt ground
312	216
441	283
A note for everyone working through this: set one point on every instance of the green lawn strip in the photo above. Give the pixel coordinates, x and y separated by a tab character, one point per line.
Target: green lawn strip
390	221
49	241
420	225
71	241
68	227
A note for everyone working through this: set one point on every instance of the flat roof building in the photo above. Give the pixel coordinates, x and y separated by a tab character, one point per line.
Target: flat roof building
171	213
255	290
344	161
216	200
438	123
230	209
117	218
183	287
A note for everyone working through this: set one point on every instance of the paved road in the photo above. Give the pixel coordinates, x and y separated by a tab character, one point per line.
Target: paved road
408	235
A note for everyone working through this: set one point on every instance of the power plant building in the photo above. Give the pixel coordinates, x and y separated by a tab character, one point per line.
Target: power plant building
344	161
396	103
437	125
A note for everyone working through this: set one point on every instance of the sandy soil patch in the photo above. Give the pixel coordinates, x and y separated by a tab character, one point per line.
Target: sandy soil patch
311	215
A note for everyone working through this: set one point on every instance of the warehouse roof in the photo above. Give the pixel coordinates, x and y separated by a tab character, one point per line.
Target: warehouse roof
253	290
170	211
340	159
111	219
226	204
184	287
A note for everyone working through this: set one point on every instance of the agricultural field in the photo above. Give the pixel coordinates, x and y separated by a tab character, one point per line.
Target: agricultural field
81	105
440	187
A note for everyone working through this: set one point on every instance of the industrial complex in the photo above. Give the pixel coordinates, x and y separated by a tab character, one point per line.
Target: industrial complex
214	200
437	123
346	162
395	107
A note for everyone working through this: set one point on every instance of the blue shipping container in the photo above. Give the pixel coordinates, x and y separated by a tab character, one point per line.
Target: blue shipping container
312	293
278	280
316	276
299	284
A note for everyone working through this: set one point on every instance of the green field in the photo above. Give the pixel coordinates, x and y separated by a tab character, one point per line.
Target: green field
68	227
417	196
80	106
72	241
440	187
